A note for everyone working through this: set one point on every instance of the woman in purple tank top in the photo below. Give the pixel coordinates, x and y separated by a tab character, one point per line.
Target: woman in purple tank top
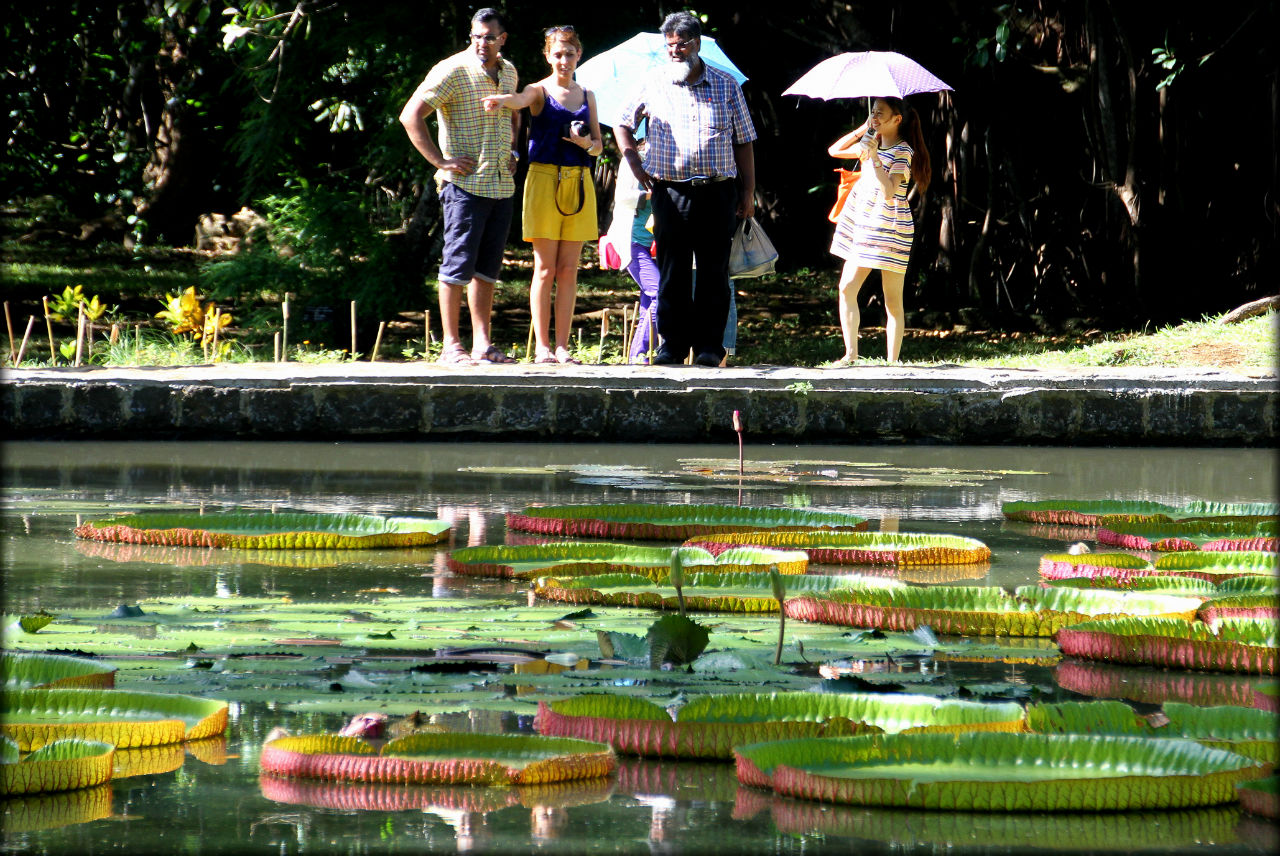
559	211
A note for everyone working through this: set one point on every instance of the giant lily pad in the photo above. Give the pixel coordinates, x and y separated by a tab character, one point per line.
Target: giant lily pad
999	772
265	531
442	759
1246	730
1143	684
1121	568
897	549
62	765
376	796
29	671
742	593
1181	535
671	522
1086	512
37	812
526	562
1234	645
126	719
710	726
1261	797
980	610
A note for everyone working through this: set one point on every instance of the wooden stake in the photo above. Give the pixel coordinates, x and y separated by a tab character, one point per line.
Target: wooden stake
528	346
115	333
626	325
604	330
31	322
353	329
277	345
377	342
79	335
284	336
217	322
48	325
137	342
426	332
9	323
653	336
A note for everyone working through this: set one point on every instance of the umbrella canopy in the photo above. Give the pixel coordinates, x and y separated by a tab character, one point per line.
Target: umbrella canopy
615	75
868	74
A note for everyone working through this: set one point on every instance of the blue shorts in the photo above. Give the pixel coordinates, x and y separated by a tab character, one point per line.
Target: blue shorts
475	234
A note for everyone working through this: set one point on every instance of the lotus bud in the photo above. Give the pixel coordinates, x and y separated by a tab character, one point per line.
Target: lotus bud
677	569
737	421
779	588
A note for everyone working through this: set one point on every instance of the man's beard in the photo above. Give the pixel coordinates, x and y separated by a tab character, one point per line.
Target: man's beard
680	70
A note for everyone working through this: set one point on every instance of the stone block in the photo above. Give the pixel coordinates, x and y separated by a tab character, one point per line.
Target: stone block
149	410
367	409
932	418
209	411
646	415
827	416
988	417
97	408
452	409
1111	417
1177	417
580	412
284	412
1246	416
36	408
522	412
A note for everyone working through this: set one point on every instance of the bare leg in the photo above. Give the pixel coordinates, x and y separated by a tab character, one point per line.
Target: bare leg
480	298
450	313
851	279
545	252
892	283
566	289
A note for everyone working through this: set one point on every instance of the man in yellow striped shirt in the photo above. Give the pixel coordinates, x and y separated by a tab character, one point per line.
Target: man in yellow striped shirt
474	164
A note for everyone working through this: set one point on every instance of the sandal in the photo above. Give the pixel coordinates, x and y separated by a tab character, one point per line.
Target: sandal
565	358
455	355
492	355
545	357
842	363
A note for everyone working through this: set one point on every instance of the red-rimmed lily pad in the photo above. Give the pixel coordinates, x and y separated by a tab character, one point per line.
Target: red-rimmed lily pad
1233	645
1143	684
1084	512
671	522
896	549
376	796
267	531
1182	535
29	671
441	759
568	559
981	610
999	772
33	718
1119	569
710	726
62	765
1246	730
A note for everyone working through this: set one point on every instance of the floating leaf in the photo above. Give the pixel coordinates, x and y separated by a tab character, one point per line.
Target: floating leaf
743	593
126	719
671	522
569	559
28	671
1185	534
472	759
261	530
372	796
1071	512
710	726
998	772
61	765
1234	645
1261	797
896	549
675	639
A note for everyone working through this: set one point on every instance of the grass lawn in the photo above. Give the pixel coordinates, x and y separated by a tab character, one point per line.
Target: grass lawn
787	319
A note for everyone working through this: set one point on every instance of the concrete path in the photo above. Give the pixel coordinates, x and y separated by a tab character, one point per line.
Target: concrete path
426	401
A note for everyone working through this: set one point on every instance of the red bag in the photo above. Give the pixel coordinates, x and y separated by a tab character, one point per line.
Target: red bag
609	258
848	178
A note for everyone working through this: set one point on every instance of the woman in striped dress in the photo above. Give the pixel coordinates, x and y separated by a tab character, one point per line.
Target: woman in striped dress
875	227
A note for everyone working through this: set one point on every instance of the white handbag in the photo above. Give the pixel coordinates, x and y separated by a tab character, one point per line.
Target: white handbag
752	253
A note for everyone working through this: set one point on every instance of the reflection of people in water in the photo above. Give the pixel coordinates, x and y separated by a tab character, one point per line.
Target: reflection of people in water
453	515
470	831
547	822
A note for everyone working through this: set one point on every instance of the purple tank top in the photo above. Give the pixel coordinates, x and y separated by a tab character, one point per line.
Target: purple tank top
546	129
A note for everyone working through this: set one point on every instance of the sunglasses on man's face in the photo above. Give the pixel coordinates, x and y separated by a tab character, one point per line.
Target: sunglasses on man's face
487	38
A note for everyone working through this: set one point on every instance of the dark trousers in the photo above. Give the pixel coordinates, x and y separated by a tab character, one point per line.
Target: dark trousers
693	223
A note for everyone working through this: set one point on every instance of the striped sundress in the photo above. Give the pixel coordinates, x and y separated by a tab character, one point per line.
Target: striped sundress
873	232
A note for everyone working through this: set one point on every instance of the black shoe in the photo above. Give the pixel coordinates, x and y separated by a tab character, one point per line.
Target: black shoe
708	359
662	357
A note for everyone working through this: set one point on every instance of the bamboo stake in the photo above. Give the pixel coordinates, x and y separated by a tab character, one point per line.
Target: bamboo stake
31	322
604	330
653	336
426	332
377	342
284	336
626	325
9	323
48	325
115	333
353	329
217	322
528	346
137	342
79	334
277	345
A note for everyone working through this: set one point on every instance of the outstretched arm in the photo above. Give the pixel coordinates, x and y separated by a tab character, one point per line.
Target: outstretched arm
532	97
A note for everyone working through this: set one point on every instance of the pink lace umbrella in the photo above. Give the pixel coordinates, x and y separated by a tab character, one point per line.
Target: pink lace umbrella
867	74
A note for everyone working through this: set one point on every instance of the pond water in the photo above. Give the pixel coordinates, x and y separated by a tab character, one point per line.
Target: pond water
212	800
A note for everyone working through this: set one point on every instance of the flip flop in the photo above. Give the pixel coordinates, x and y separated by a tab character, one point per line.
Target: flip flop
545	357
564	358
492	355
455	355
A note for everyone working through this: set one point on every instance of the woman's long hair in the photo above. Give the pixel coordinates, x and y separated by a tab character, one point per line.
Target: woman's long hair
909	130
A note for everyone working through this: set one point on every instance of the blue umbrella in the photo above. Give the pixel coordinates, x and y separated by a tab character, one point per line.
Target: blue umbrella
615	75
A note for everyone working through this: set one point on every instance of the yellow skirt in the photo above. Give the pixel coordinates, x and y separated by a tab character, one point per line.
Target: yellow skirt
559	203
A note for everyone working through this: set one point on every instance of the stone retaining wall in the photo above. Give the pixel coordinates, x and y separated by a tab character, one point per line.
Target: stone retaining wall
620	404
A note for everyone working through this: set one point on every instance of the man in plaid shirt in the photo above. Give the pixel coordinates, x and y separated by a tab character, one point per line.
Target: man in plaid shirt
474	167
699	164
